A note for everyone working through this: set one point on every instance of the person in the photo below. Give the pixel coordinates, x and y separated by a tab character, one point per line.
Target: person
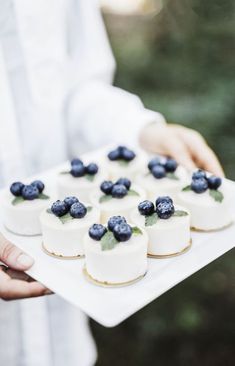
57	101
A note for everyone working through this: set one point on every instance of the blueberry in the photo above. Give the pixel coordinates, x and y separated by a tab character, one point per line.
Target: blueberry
119	191
199	185
122	232
146	208
199	174
170	165
127	154
92	169
158	171
59	208
114	220
165	210
78	210
106	187
16	188
114	155
97	231
39	184
214	182
78	170
76	161
153	162
30	192
69	201
163	199
126	182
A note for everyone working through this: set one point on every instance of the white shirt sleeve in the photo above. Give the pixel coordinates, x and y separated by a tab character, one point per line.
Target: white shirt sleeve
98	112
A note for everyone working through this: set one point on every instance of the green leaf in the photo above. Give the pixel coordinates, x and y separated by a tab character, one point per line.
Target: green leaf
90	177
105	198
123	163
49	211
89	208
186	189
180	213
108	241
217	195
136	231
66	218
151	219
43	196
64	172
131	192
172	176
17	200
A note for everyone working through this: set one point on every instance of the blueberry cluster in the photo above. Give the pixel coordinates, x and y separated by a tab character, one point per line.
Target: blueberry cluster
117	225
164	207
160	167
29	191
201	182
69	205
121	153
119	189
78	169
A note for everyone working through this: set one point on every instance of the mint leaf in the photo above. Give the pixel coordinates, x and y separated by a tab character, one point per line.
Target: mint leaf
131	192
123	162
43	196
89	208
217	195
90	177
105	198
17	200
172	176
66	218
136	231
108	241
186	189
151	219
179	213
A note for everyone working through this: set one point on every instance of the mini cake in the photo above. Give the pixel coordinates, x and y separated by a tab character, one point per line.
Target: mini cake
116	254
22	207
64	226
208	198
117	198
167	226
123	162
79	180
163	176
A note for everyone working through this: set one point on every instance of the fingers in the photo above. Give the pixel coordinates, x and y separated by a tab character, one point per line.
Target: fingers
13	256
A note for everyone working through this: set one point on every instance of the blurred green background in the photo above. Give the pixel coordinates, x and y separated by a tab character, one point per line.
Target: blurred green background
181	62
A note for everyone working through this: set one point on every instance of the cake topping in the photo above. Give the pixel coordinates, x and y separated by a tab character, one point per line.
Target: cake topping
68	209
201	182
121	154
27	192
164	210
163	167
78	170
118	231
119	189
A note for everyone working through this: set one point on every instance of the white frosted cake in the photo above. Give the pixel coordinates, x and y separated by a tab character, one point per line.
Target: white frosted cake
79	179
162	177
208	198
116	198
167	226
64	226
123	162
22	207
116	254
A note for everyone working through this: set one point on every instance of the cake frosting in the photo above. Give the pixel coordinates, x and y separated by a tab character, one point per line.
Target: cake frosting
63	236
120	264
166	236
21	214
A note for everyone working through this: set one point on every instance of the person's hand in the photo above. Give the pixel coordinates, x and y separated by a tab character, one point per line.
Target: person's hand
14	283
185	145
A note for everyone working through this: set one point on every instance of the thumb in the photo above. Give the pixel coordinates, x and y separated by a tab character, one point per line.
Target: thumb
13	257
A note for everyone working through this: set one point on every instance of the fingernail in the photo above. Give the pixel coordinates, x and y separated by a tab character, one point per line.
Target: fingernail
48	292
25	260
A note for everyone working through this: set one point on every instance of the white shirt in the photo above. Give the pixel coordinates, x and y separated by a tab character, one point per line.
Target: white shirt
56	101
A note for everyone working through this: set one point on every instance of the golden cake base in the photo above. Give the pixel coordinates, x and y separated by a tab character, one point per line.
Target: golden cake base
59	256
213	230
162	256
108	284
